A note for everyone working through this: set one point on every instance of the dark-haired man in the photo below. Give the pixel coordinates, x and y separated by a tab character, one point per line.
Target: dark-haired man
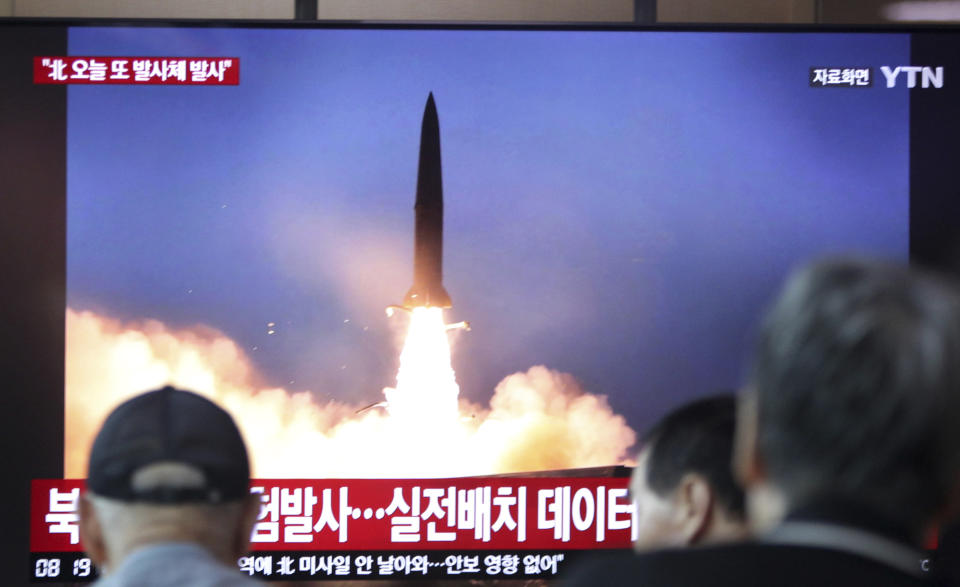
847	438
683	485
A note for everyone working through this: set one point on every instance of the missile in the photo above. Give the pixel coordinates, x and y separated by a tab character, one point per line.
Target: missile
427	289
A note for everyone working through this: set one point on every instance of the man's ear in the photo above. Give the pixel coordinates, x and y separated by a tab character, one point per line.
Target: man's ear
748	466
695	501
91	534
251	510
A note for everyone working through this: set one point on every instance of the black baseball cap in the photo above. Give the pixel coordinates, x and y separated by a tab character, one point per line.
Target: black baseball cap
175	428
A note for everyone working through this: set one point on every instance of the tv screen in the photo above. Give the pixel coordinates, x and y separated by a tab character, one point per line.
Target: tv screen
231	209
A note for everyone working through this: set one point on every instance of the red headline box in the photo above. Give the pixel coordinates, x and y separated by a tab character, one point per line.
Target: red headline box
192	71
476	513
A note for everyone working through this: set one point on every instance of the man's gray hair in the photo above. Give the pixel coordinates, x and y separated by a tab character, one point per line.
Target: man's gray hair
857	381
126	526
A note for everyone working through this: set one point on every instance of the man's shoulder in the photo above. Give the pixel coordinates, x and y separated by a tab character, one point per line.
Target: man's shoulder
743	564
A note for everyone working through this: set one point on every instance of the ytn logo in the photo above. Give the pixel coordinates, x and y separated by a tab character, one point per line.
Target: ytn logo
929	76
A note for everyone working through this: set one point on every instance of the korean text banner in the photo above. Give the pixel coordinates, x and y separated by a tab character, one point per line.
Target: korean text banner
370	518
407	514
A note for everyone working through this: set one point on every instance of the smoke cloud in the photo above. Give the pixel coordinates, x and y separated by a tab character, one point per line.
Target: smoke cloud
536	420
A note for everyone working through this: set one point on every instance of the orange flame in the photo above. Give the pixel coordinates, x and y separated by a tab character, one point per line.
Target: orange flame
538	419
427	389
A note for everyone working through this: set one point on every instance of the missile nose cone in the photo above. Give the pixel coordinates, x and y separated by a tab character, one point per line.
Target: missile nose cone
429	175
430	109
430	119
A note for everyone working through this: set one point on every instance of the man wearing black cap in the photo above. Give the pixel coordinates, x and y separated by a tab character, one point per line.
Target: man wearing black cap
168	499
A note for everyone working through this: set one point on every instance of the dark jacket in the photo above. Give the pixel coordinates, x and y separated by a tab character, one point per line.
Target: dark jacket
818	546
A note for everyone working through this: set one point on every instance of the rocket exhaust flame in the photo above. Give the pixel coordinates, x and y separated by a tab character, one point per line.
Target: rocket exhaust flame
426	391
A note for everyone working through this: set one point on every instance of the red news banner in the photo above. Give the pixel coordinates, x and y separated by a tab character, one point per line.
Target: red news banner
203	71
471	528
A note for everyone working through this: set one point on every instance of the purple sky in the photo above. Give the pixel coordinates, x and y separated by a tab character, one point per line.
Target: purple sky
619	206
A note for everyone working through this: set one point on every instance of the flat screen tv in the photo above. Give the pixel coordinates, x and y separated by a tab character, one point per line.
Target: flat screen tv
230	208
